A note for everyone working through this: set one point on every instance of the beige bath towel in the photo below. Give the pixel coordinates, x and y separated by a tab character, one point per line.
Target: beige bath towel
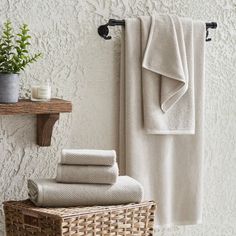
168	166
49	193
88	157
167	75
87	174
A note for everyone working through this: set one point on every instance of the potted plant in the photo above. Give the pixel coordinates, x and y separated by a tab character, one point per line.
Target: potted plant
14	57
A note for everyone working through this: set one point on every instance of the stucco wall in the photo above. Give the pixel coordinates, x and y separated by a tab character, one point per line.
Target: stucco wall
84	68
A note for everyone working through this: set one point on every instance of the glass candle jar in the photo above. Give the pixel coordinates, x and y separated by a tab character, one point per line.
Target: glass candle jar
41	92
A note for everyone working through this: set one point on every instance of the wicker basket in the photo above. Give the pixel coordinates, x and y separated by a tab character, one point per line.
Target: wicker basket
24	219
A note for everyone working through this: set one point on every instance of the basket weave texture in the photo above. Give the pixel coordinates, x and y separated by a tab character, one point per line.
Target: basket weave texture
22	218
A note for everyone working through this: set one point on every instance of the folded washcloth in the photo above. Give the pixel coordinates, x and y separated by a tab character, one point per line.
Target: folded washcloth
49	193
88	157
87	174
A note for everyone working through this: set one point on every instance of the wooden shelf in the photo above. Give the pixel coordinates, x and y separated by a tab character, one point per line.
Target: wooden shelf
47	114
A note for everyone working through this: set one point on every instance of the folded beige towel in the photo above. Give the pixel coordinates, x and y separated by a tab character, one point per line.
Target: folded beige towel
88	157
87	174
167	74
49	193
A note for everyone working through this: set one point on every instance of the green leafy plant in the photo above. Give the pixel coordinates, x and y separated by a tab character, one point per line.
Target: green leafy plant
14	49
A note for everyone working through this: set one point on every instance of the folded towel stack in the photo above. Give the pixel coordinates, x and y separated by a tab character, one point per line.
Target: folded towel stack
86	178
87	166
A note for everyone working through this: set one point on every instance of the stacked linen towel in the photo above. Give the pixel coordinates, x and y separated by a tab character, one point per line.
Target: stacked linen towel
49	193
87	166
85	178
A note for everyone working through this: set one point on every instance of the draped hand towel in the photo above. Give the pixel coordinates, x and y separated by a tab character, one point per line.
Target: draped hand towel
88	157
87	174
168	166
167	75
49	193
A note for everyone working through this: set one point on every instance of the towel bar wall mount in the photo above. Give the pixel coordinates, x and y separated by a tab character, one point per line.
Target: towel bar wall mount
103	30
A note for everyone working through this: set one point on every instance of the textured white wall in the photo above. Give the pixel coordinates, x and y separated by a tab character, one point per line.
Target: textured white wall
85	69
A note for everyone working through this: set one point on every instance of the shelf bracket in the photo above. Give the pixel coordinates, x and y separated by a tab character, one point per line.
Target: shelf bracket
45	124
47	114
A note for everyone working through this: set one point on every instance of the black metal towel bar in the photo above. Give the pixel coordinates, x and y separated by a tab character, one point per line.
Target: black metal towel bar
103	30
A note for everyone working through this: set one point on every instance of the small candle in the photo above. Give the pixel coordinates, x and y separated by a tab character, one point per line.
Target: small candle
41	92
44	92
34	92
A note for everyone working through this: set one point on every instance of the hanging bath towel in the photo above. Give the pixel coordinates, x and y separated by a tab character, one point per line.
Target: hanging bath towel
168	165
167	75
